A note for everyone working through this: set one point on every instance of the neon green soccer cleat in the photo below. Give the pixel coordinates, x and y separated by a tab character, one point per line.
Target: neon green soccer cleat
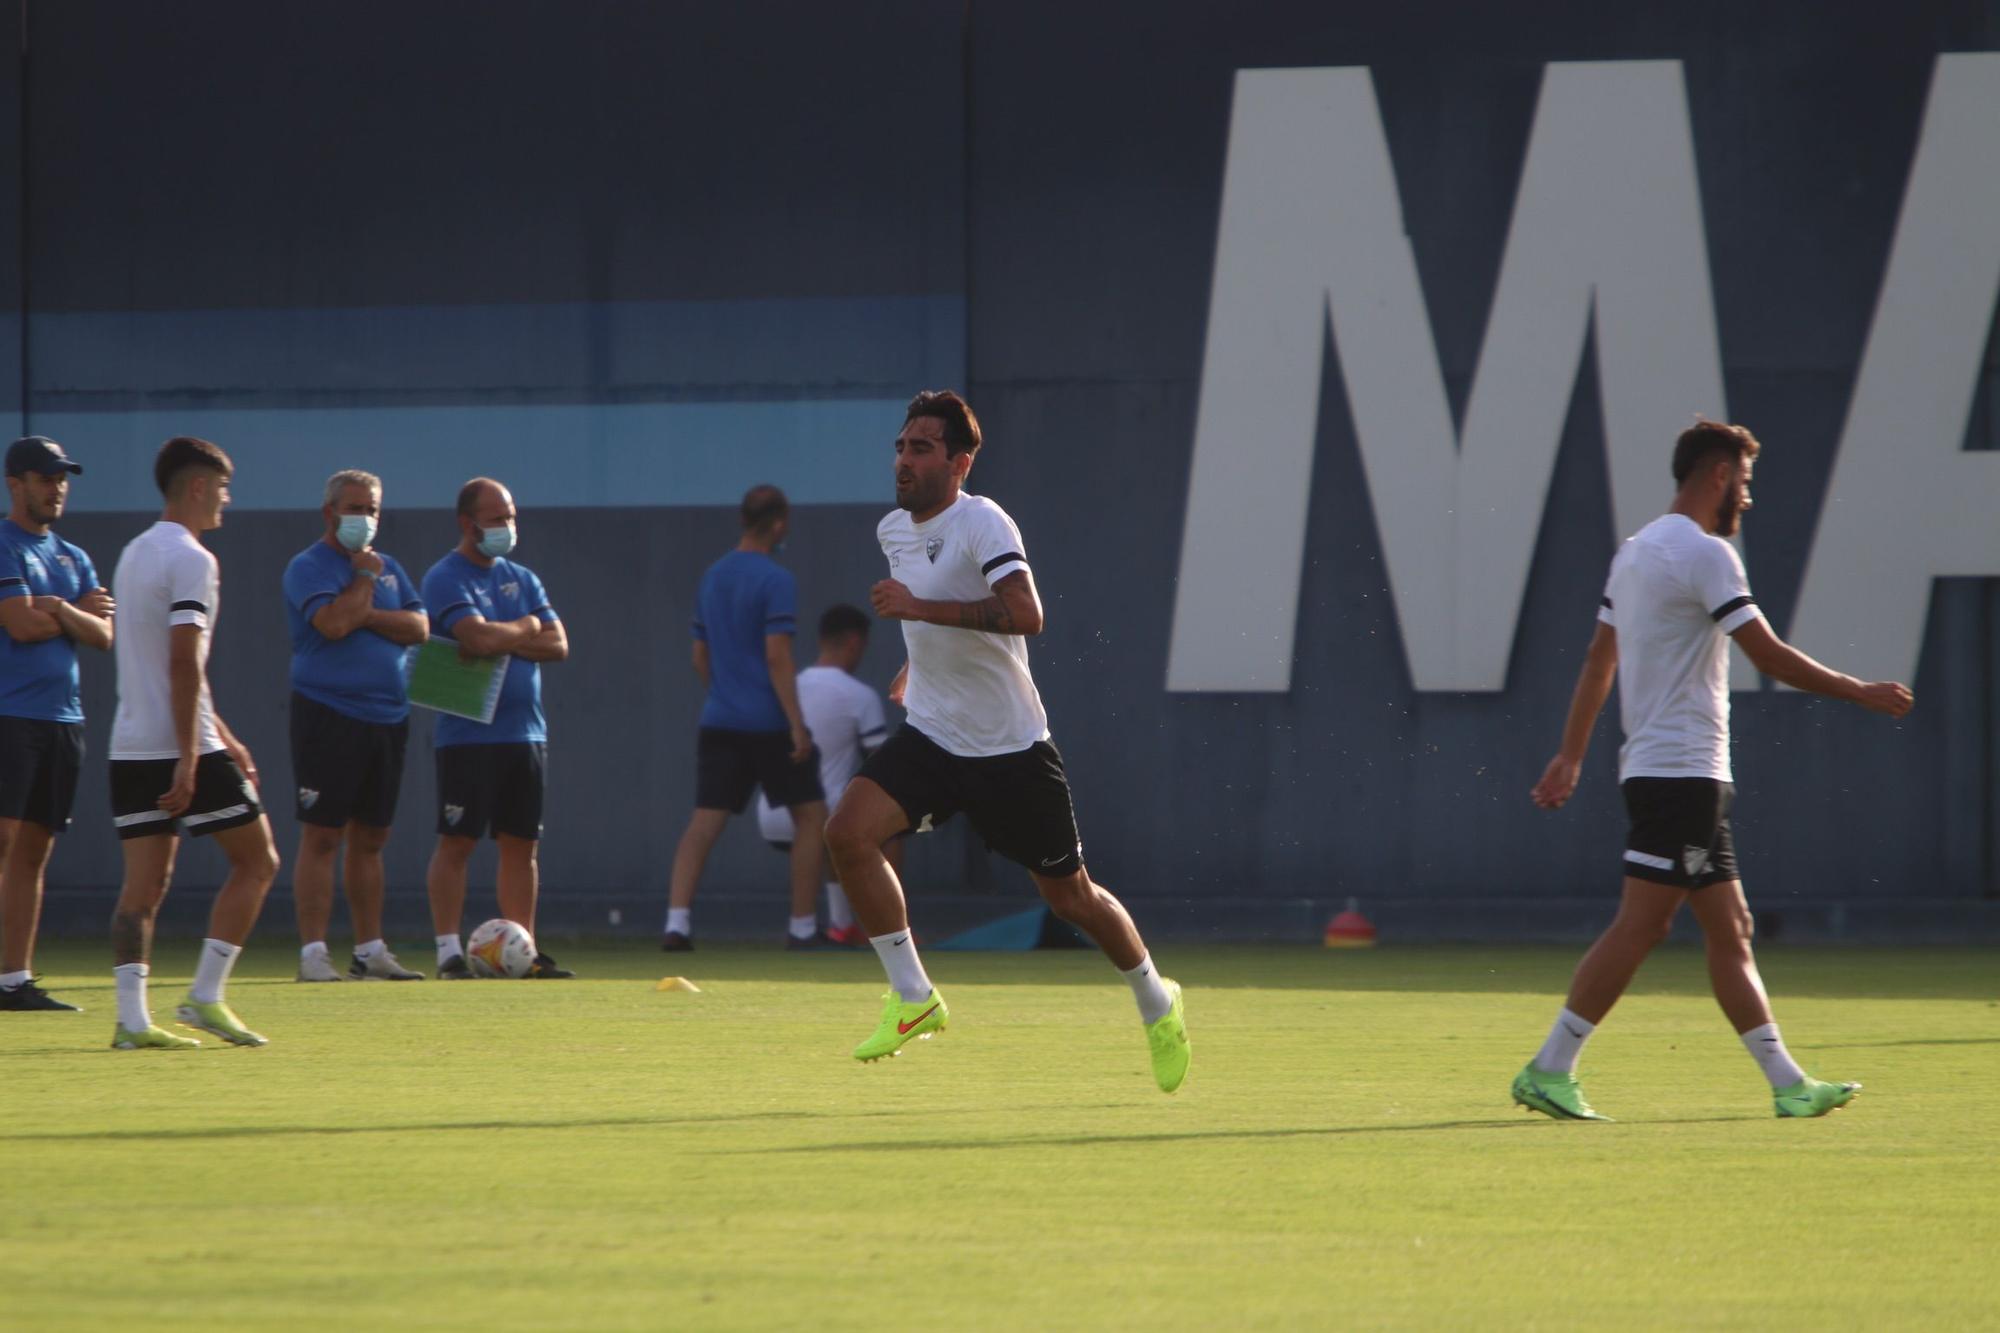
219	1020
1810	1097
1168	1037
1555	1095
152	1038
903	1020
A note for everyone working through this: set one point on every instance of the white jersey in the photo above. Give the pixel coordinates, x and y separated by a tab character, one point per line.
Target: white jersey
1675	595
846	720
165	578
968	691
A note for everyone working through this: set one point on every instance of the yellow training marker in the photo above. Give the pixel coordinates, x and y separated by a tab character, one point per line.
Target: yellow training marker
677	983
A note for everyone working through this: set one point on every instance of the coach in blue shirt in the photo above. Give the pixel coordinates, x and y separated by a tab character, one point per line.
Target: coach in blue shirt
752	731
354	613
50	601
491	776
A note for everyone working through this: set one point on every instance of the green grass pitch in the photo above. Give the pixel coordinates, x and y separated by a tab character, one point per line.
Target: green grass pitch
598	1155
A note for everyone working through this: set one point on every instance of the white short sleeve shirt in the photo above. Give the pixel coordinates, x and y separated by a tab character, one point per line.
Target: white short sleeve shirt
165	577
846	720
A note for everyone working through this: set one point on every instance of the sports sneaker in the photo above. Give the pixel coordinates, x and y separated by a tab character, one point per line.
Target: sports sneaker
28	995
546	968
675	942
382	967
1168	1037
817	942
318	968
1555	1095
454	969
1810	1097
153	1038
851	937
903	1020
217	1019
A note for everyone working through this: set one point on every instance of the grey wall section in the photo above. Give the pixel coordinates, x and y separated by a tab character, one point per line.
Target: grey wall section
260	209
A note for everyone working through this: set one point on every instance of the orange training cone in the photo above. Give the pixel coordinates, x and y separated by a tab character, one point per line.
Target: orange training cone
1350	929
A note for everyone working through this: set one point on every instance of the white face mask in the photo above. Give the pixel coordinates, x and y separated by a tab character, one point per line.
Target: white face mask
355	531
496	542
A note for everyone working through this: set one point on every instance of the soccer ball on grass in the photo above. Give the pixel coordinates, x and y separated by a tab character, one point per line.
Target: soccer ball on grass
500	948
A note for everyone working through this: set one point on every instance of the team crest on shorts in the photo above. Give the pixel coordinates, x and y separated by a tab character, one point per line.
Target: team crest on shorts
1695	859
306	798
932	545
454	813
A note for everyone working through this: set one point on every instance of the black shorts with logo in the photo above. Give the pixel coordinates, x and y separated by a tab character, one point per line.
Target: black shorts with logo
729	765
1019	802
39	763
345	769
492	788
1680	831
223	797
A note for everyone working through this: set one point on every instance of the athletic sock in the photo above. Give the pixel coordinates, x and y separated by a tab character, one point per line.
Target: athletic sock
211	974
1565	1044
317	949
372	949
1154	1001
449	948
1767	1048
15	980
839	912
804	927
131	980
898	953
680	921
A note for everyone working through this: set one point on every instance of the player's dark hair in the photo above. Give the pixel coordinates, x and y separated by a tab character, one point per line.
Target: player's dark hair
961	428
185	453
842	619
1707	439
763	506
468	494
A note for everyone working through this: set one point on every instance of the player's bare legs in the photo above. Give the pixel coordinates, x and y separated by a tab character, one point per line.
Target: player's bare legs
1645	914
1726	927
519	880
364	879
312	881
445	882
703	829
867	818
24	857
149	866
253	864
1090	907
808	845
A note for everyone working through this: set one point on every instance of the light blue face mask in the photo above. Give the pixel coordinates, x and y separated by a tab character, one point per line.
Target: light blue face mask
356	531
496	542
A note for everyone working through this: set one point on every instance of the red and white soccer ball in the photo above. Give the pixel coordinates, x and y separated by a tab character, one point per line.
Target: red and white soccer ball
500	948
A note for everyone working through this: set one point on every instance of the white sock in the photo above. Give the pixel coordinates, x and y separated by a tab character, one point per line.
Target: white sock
131	979
1767	1048
1565	1044
449	948
317	949
12	979
839	912
898	953
372	949
804	927
211	974
1154	1001
680	921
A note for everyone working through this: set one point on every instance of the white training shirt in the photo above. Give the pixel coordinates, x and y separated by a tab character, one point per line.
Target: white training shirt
165	578
1675	595
968	690
846	720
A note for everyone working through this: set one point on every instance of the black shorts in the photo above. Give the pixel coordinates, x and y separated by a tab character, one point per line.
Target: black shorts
39	761
223	797
1680	831
729	765
492	788
346	769
1018	802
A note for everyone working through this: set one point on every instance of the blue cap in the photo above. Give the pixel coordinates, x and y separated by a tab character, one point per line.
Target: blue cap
38	453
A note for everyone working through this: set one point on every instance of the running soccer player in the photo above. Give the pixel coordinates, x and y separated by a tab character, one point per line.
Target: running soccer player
176	768
1676	595
50	602
976	740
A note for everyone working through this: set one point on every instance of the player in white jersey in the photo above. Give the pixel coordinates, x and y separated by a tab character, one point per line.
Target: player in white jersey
1676	596
847	724
977	739
176	769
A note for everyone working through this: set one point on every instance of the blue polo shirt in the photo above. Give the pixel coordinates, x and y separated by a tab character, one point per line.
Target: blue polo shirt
744	596
362	675
456	588
39	680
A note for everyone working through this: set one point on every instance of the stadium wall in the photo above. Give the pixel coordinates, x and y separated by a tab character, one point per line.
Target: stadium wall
632	259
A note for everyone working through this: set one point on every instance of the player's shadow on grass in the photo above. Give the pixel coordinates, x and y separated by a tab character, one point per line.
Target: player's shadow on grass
430	1127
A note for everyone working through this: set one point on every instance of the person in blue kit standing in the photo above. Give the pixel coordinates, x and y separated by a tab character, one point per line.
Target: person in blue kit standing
353	612
50	602
752	730
491	776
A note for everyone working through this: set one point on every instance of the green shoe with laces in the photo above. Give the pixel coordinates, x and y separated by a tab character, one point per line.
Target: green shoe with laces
903	1021
1809	1097
1555	1095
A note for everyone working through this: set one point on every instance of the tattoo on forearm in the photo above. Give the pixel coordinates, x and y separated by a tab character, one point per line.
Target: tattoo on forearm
131	937
991	615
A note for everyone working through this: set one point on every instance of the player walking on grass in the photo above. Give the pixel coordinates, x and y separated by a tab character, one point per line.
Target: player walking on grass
1676	595
175	766
976	740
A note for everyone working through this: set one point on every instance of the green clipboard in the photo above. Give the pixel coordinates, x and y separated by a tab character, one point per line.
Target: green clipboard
441	680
